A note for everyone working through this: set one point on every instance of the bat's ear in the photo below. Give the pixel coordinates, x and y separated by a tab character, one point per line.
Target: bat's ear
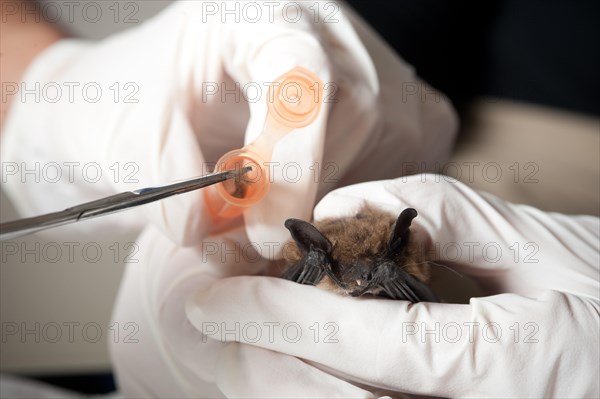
307	236
401	231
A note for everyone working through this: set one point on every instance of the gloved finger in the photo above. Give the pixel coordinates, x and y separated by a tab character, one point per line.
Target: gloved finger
471	228
511	345
252	372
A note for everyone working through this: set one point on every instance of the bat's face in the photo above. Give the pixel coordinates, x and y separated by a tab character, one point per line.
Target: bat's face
369	253
357	275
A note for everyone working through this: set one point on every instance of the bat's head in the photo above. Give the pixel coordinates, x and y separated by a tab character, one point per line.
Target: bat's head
370	253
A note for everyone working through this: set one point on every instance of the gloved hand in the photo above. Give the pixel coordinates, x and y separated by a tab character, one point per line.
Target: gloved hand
159	103
378	123
535	335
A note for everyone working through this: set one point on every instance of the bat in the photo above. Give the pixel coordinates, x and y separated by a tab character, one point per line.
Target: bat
369	253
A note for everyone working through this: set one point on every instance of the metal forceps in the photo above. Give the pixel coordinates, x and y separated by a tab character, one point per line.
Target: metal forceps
112	204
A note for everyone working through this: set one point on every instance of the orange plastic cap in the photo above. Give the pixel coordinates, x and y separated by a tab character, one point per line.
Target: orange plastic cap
230	198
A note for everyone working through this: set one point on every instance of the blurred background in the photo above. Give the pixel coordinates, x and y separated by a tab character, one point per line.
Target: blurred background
522	75
66	284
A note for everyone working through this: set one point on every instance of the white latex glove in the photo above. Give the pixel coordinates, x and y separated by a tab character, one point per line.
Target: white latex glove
156	120
544	301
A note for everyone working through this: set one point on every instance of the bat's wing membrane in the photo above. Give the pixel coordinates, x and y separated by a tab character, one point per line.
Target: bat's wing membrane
293	272
310	270
398	284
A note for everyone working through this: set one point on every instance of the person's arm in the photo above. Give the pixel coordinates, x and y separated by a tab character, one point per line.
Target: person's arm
24	33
